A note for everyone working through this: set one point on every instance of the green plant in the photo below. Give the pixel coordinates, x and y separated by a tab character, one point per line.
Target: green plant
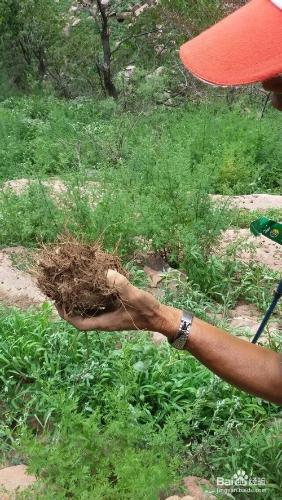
28	218
85	458
231	151
93	411
243	218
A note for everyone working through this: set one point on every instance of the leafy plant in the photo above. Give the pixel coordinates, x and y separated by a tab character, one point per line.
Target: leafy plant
98	423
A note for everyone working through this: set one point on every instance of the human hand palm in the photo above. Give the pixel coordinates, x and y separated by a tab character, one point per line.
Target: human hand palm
138	309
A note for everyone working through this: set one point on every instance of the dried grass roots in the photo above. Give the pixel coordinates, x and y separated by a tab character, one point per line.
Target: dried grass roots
73	275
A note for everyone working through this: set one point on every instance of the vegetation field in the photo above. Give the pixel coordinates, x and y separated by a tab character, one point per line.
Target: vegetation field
111	415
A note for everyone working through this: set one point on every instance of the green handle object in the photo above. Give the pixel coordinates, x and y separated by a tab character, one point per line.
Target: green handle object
273	231
267	227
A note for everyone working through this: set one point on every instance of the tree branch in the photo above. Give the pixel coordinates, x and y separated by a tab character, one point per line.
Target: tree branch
131	37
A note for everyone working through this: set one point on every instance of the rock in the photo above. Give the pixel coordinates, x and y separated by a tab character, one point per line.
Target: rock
158	338
75	22
15	478
159	49
129	71
159	71
155	74
199	488
155	277
140	10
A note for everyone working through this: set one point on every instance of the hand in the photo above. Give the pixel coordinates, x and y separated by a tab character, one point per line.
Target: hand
139	310
274	85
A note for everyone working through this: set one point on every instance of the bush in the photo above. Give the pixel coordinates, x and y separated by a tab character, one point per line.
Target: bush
229	151
29	218
86	459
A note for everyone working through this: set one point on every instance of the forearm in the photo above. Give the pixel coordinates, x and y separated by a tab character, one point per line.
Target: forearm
250	367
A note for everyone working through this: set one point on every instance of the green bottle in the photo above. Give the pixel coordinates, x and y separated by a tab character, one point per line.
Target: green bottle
267	227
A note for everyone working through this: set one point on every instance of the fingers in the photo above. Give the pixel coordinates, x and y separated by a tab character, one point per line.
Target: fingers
116	320
112	321
120	319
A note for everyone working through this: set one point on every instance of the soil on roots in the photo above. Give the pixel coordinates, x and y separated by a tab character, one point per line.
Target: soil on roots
74	275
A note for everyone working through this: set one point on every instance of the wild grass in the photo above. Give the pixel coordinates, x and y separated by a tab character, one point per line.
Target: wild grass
92	418
243	218
231	150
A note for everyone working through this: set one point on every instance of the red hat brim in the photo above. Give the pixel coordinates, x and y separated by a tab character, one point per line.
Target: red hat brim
245	47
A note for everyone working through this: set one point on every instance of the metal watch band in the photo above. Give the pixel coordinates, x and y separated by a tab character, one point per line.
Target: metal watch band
182	335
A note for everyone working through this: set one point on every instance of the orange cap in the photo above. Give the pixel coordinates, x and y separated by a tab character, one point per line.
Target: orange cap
244	47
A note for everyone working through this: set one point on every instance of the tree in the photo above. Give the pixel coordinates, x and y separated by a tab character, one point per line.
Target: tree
73	45
103	13
29	30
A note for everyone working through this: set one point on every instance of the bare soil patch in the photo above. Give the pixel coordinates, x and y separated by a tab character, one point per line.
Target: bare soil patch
261	249
56	187
14	479
252	202
19	186
17	288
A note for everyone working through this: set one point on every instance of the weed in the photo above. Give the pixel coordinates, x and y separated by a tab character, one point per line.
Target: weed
231	150
128	408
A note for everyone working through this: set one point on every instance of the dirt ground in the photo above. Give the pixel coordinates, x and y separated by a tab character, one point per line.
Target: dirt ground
252	202
260	249
17	287
14	479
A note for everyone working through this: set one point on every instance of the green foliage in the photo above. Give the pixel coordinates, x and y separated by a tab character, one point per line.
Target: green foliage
106	412
243	218
230	151
56	47
110	415
86	459
226	281
29	218
201	14
29	31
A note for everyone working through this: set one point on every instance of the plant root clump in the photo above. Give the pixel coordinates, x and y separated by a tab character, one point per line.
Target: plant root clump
74	276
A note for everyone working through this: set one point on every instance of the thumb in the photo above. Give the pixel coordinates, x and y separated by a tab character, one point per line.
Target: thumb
117	281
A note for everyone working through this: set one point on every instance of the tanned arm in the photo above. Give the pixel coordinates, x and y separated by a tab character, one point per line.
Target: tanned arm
250	367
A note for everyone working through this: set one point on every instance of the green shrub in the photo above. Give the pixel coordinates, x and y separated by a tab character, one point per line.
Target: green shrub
29	218
232	151
115	460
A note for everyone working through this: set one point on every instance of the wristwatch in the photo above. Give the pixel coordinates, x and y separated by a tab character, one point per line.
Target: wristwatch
179	341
